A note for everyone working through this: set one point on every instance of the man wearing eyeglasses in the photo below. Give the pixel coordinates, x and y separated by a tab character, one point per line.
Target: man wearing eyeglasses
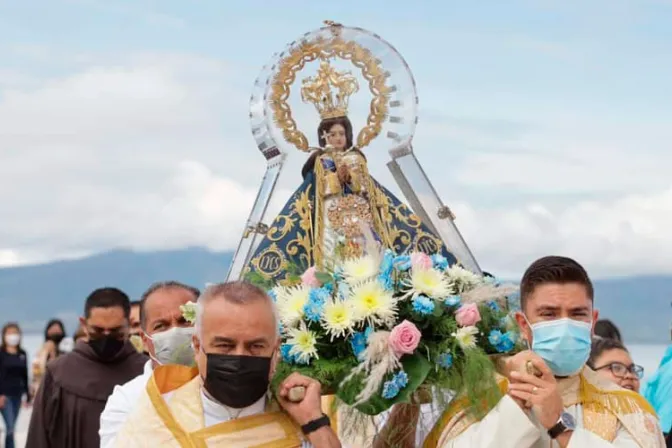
611	360
75	387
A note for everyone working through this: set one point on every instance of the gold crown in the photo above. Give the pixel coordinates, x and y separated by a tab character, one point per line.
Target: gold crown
318	90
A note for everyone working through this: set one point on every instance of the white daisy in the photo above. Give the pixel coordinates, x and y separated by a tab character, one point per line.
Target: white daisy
291	302
373	303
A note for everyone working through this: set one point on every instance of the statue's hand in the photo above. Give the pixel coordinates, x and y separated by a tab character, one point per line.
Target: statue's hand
343	174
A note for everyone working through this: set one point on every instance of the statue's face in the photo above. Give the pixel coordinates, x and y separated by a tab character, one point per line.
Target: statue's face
336	137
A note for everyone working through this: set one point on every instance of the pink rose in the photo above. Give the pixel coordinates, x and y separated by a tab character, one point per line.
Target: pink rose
420	260
468	315
404	338
309	279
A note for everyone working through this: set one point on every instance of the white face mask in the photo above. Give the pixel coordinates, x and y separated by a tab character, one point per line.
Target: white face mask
13	340
173	346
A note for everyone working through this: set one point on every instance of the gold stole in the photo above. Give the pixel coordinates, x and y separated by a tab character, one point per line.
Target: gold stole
604	407
180	421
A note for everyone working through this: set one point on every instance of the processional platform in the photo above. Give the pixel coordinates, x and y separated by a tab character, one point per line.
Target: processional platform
386	125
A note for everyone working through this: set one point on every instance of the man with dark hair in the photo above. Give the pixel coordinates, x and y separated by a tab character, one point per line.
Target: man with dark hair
167	338
226	401
552	398
75	387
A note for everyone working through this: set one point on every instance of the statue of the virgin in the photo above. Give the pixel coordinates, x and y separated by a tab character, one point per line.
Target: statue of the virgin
338	204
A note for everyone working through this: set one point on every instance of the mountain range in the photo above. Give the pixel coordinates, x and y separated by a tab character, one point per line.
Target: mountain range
31	295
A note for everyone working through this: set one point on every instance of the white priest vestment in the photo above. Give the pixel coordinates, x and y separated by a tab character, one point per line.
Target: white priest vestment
606	416
173	412
120	405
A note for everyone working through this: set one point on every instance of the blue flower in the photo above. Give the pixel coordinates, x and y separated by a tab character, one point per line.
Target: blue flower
445	360
284	351
312	311
403	262
316	299
423	305
329	287
280	328
453	300
440	262
386	270
401	378
319	295
359	342
390	390
503	343
494	306
273	295
387	264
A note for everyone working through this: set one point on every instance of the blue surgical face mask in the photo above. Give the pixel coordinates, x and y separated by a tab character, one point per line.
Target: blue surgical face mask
563	343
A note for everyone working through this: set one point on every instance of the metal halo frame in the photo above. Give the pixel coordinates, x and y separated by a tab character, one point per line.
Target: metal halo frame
393	107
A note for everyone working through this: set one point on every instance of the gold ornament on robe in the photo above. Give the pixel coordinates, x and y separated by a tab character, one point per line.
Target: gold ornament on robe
319	90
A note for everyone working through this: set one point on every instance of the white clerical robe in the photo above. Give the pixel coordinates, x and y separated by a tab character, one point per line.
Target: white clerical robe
175	412
507	426
214	412
605	415
120	405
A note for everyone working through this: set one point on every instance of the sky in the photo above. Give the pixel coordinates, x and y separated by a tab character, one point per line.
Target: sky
544	125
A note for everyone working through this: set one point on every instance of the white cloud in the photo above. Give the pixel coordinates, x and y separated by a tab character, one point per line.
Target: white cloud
629	235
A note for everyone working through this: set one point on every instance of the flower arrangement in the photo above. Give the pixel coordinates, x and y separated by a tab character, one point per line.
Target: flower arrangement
379	327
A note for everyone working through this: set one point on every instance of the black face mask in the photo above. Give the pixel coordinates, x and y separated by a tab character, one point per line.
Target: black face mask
237	381
55	338
106	347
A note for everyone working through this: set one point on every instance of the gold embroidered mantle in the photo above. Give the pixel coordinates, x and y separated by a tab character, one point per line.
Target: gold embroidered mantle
296	239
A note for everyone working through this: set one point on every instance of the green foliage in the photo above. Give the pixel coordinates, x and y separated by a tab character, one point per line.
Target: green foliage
329	372
258	280
324	277
415	366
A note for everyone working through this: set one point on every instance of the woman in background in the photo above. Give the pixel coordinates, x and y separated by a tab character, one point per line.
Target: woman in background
610	358
54	333
13	378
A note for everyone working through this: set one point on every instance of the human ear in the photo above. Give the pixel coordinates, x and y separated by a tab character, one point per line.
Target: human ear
525	330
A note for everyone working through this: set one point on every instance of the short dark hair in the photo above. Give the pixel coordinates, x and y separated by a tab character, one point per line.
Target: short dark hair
171	284
553	269
135	303
608	330
601	345
107	298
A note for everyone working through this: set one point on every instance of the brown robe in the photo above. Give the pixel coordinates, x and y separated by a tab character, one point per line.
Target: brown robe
73	393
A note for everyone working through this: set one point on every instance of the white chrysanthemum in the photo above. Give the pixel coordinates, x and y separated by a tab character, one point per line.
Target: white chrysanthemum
462	279
357	270
466	337
373	303
338	318
290	303
303	343
431	283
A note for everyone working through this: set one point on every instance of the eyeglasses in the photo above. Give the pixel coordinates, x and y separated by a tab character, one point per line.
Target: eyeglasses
621	370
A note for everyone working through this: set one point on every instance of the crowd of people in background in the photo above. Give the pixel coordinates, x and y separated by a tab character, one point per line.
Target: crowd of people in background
84	393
